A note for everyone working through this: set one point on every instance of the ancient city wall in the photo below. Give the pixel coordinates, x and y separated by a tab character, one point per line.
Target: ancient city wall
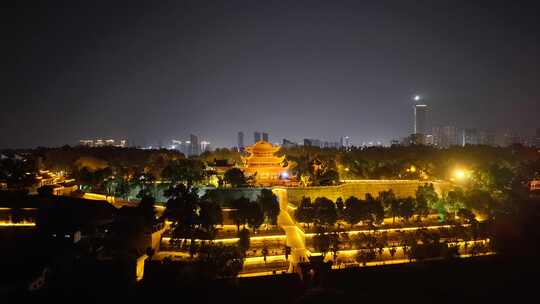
402	188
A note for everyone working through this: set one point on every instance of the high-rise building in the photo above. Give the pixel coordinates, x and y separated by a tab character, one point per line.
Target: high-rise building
194	146
537	138
469	137
205	146
240	141
345	142
444	137
185	147
486	138
288	144
265	137
420	119
310	142
256	136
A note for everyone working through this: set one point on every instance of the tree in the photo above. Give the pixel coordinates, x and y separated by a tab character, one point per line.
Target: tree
365	255
146	209
406	208
219	261
255	216
328	178
390	203
375	209
325	211
188	171
467	215
455	200
353	211
241	212
181	208
334	245
305	213
426	198
270	205
321	241
480	202
235	177
210	215
243	240
340	207
46	191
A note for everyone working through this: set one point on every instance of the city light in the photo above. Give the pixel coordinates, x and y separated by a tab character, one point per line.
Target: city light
460	174
417	97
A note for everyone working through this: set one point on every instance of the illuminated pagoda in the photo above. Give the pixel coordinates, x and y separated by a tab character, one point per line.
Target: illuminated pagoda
262	163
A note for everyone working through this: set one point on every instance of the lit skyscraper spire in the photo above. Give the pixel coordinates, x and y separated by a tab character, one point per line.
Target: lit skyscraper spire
420	116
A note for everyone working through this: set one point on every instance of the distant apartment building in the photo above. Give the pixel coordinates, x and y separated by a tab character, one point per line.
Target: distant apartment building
445	136
256	136
205	146
190	147
288	144
487	138
469	137
537	138
94	143
310	142
265	137
345	142
241	141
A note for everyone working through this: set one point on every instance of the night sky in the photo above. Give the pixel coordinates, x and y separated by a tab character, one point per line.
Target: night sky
157	70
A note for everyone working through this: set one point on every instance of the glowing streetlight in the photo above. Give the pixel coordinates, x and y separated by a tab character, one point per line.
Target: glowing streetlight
417	97
460	174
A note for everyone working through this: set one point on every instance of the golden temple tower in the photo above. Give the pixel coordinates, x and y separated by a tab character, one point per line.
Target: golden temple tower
267	168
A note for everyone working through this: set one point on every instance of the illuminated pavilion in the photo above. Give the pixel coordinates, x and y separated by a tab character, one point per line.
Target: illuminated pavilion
262	163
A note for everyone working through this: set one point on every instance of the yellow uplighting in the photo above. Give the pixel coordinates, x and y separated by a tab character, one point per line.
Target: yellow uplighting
21	224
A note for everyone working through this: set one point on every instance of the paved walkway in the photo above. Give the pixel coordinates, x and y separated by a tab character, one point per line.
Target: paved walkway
294	235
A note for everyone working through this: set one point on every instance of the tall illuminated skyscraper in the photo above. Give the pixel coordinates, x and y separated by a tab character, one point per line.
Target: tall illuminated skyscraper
240	141
420	118
256	136
194	148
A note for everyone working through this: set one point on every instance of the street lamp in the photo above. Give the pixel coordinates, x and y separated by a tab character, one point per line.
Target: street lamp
460	174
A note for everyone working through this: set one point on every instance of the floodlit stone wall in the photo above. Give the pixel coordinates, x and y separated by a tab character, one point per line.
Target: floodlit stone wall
402	188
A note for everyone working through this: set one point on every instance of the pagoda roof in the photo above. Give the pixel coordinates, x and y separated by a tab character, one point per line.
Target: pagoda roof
262	147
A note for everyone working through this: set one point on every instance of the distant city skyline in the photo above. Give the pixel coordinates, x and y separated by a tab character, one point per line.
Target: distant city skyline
157	71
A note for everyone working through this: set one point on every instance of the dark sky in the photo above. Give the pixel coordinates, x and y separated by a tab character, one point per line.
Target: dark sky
159	70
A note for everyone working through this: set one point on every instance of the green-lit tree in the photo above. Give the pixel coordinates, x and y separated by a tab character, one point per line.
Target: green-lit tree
426	198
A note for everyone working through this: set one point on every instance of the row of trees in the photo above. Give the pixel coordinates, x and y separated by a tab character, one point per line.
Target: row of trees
490	165
467	205
419	244
193	217
254	214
